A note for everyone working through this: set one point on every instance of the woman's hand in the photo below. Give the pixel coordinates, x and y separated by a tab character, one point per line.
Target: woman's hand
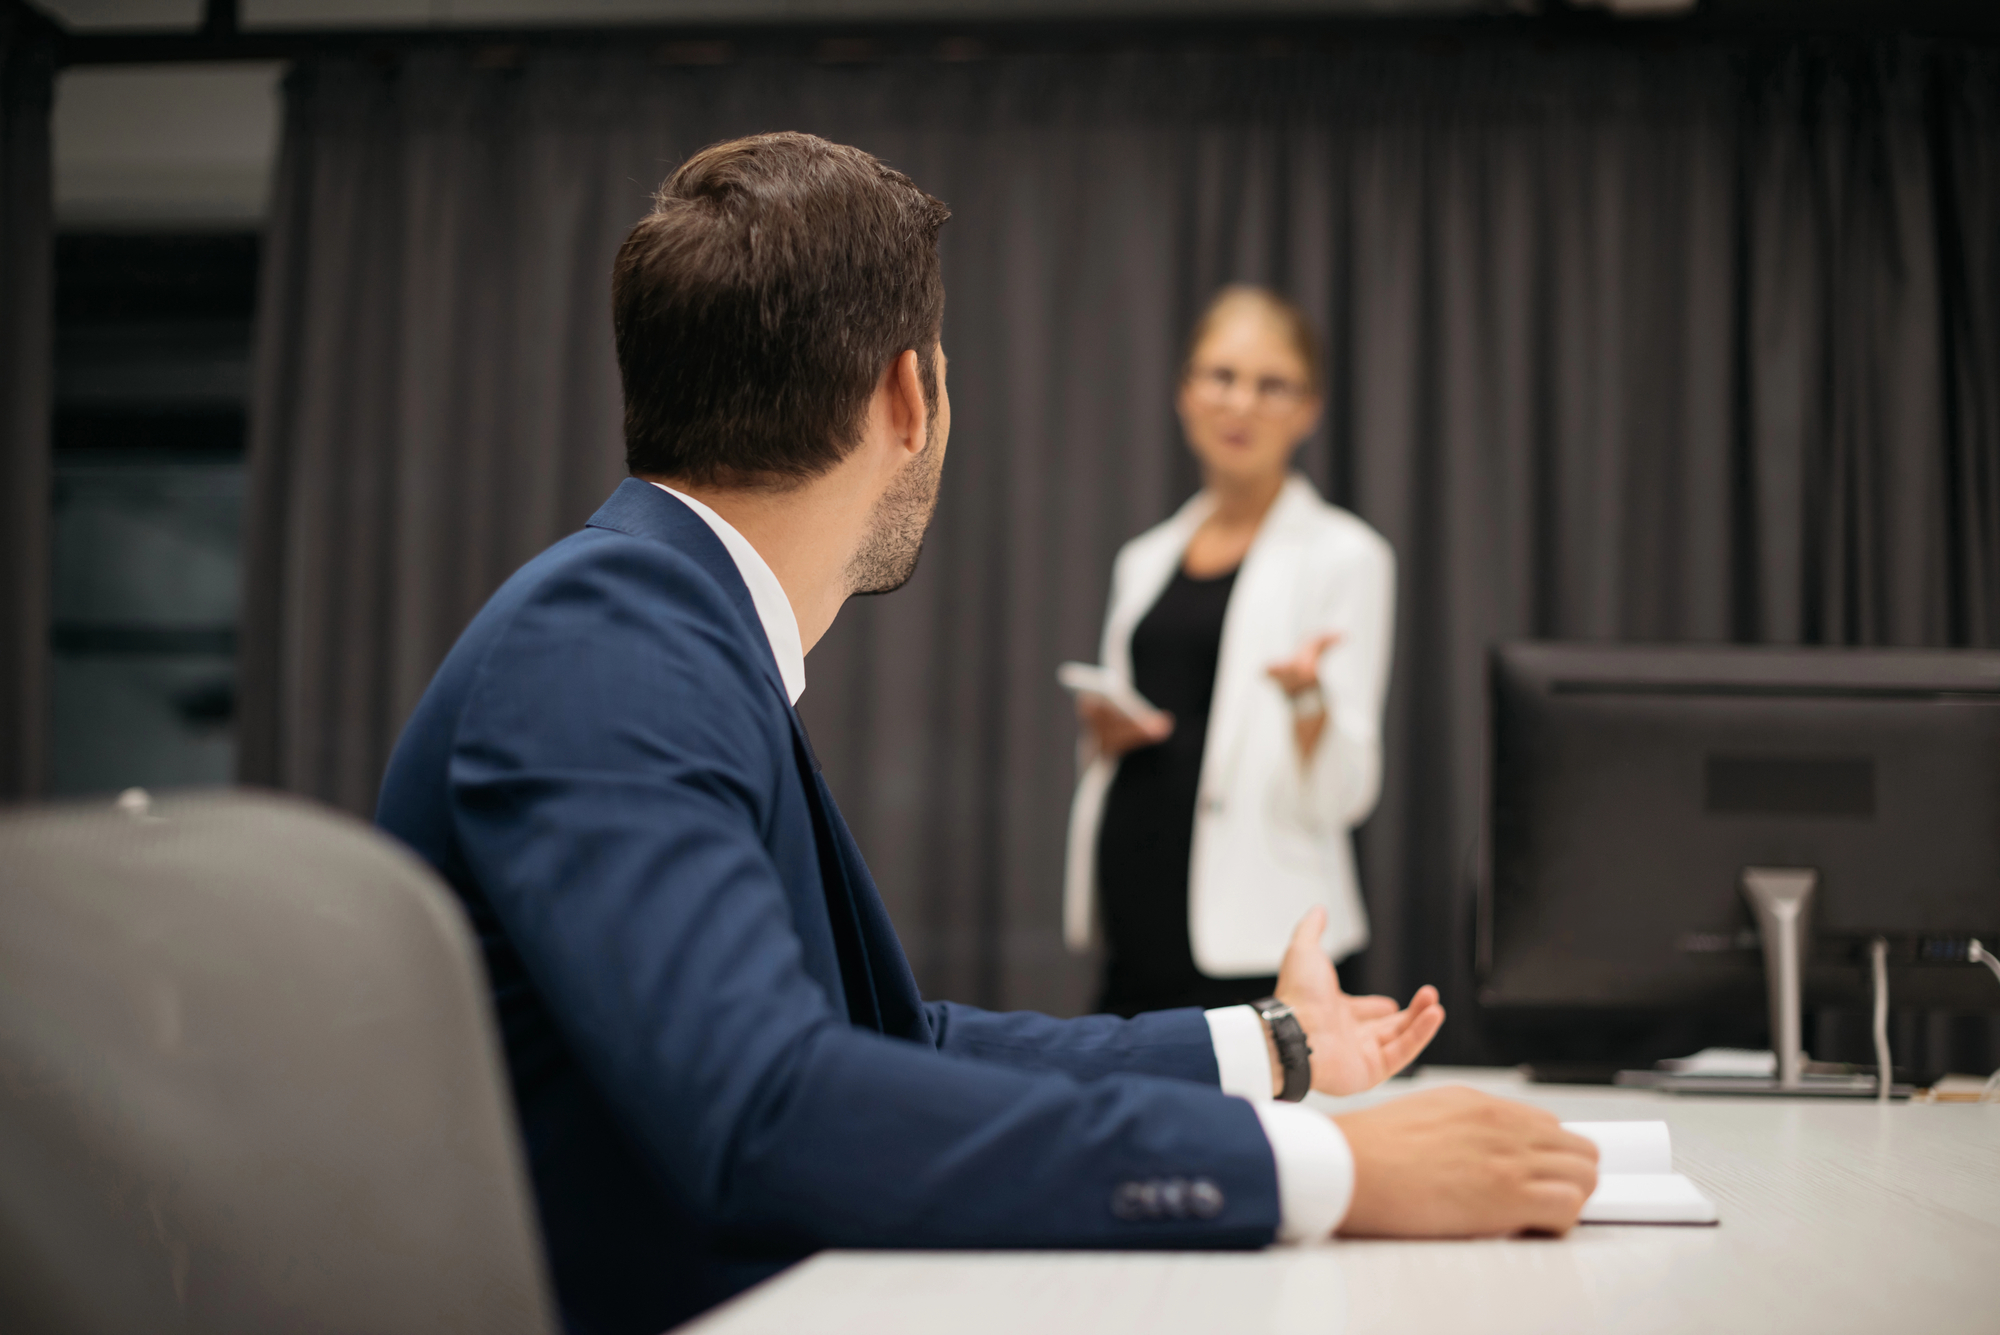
1357	1042
1299	673
1117	732
1301	670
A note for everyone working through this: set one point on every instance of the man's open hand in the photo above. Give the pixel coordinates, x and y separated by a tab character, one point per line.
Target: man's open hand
1454	1163
1357	1042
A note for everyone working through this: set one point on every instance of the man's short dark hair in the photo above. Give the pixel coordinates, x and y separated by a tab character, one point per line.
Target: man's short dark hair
757	306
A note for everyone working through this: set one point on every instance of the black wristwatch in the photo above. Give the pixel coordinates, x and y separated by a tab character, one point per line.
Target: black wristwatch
1294	1053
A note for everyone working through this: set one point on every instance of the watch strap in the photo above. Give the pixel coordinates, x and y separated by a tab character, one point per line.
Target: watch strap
1294	1053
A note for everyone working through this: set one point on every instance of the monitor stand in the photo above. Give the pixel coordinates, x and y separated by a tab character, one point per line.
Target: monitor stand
1782	898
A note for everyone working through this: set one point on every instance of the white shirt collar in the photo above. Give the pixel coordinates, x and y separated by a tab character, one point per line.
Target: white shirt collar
774	609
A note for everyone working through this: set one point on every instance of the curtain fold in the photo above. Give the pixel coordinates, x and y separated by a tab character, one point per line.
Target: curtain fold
27	64
1627	342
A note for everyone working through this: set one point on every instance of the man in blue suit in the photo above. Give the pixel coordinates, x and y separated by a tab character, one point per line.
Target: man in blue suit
719	1056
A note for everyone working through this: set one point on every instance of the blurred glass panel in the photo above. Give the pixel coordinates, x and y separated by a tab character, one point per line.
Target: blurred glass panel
155	720
147	542
161	365
147	570
151	355
262	14
177	145
113	15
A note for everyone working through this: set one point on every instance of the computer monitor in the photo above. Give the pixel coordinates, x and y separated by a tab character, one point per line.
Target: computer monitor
1631	787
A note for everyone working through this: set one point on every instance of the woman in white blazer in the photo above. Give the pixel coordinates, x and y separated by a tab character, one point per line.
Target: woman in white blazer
1258	620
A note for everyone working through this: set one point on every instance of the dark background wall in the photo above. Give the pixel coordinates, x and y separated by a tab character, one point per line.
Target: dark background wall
1691	341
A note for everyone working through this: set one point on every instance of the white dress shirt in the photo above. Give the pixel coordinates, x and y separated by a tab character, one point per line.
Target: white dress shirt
1315	1167
774	609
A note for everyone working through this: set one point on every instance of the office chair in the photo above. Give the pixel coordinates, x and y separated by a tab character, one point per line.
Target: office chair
248	1082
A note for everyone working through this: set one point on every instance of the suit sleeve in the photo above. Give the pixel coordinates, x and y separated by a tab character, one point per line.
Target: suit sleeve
612	772
1177	1044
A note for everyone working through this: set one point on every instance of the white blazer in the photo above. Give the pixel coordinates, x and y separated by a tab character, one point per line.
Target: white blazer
1271	834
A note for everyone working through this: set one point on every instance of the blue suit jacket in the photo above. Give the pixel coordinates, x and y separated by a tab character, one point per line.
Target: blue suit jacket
720	1058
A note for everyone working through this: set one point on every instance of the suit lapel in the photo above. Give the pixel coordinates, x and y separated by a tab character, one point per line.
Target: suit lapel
644	511
850	944
1266	586
1148	579
1264	590
853	910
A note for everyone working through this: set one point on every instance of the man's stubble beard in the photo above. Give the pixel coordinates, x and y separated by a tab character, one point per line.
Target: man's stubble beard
888	556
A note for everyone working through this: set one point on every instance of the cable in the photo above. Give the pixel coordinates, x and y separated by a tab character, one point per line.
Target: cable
1878	965
1979	954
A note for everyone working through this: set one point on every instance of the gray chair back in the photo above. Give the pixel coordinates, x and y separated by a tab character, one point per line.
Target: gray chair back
248	1083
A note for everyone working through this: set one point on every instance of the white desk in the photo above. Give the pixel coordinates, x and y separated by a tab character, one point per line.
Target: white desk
1836	1216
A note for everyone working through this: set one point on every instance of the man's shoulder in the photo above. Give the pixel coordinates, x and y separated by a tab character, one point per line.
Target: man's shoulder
604	575
612	614
602	638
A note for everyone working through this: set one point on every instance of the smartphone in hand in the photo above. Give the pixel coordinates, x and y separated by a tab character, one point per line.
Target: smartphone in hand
1090	679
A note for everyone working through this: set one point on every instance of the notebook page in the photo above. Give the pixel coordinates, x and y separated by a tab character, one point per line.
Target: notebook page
1636	1181
1646	1198
1628	1147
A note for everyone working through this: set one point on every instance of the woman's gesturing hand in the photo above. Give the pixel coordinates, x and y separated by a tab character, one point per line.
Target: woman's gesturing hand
1357	1042
1299	675
1117	732
1301	670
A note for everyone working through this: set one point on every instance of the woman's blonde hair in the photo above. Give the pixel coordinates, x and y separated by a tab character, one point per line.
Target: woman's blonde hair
1288	317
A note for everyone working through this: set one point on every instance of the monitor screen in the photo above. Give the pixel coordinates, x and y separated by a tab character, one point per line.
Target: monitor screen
1629	787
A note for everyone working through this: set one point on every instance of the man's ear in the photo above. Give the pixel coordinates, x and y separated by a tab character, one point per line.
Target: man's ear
909	410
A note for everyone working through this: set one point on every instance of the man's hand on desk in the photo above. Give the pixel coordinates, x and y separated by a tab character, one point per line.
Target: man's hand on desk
1454	1163
1357	1042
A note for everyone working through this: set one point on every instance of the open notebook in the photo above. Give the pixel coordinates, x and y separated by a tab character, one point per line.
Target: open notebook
1636	1181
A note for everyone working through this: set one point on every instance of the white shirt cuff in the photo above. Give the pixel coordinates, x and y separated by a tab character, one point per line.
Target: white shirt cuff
1242	1056
1315	1166
1315	1170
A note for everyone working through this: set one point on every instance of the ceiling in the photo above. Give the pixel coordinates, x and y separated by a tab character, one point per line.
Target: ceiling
110	16
177	146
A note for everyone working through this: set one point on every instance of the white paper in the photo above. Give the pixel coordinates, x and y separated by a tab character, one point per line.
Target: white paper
1724	1061
1636	1181
1646	1198
1628	1147
1090	679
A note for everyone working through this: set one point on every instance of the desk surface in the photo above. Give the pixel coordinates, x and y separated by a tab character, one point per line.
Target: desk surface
1836	1216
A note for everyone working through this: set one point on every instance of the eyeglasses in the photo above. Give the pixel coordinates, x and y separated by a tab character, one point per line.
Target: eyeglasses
1270	395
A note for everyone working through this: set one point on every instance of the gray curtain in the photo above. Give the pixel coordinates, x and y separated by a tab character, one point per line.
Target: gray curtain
26	334
1627	342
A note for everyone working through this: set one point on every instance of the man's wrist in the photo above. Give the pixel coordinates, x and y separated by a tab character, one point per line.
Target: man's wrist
1242	1052
1277	1061
1294	1054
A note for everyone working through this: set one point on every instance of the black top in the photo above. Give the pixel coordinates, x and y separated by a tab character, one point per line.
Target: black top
1147	833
